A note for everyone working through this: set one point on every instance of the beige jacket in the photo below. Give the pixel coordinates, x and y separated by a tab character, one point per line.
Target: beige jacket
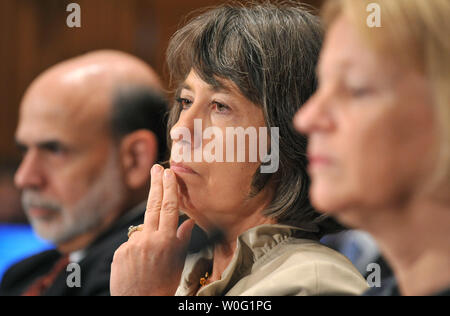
270	261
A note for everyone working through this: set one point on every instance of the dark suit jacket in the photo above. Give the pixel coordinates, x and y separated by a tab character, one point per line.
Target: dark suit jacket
95	267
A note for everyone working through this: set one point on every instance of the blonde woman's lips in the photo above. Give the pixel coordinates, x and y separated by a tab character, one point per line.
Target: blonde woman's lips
318	162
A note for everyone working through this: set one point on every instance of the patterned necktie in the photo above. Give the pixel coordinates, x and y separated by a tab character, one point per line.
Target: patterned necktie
43	283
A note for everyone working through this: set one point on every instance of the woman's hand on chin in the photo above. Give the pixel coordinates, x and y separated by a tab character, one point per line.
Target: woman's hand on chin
152	260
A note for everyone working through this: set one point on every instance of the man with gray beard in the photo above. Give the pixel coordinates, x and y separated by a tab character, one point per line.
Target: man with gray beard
90	129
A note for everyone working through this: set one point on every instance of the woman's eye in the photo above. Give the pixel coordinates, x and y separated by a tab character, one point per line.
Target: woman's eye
221	108
184	103
359	92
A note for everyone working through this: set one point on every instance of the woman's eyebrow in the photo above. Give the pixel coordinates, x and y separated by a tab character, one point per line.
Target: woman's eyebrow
218	88
184	85
222	87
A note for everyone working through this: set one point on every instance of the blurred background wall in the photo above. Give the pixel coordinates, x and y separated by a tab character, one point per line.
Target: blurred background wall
34	36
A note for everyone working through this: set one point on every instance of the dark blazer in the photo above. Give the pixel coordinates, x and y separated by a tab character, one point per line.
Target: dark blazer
95	267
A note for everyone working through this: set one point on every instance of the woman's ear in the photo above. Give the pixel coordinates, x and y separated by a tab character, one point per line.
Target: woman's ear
138	152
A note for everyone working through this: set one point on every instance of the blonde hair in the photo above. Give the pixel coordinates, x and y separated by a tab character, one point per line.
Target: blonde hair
415	33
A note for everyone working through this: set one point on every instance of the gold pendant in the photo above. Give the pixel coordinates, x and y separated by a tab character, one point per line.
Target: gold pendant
204	279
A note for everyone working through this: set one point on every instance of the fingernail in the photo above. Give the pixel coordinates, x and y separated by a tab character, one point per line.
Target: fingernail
156	169
167	174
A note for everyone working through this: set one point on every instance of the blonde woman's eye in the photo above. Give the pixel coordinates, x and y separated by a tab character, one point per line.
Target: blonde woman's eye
359	92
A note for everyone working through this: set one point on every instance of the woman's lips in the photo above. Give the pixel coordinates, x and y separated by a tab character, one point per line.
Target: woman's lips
181	168
318	161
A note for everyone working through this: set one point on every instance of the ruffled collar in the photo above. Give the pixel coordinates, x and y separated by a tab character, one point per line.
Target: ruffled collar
252	249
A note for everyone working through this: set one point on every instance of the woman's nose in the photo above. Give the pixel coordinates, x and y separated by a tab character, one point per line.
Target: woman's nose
188	130
314	115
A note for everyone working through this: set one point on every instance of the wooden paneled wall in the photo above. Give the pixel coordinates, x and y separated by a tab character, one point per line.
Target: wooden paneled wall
34	36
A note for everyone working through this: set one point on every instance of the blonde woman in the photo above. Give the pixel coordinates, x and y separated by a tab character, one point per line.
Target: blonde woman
379	134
